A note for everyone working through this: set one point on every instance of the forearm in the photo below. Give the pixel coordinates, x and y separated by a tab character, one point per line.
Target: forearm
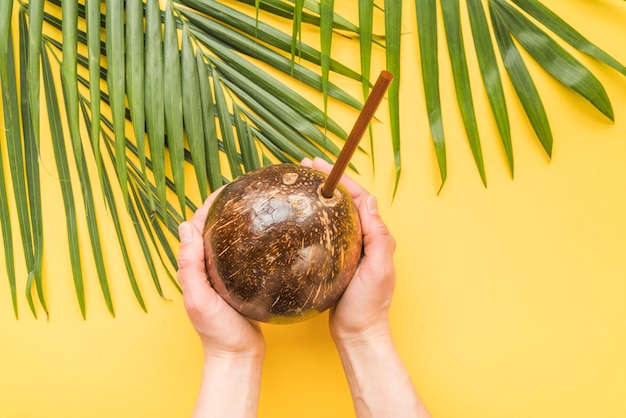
380	383
230	387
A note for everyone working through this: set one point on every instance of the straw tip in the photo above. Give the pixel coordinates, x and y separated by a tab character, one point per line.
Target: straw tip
386	75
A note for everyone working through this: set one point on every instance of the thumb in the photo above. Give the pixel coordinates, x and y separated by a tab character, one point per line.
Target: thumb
378	245
375	232
191	267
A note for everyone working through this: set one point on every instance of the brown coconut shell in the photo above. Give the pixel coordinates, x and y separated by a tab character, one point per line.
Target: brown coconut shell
276	249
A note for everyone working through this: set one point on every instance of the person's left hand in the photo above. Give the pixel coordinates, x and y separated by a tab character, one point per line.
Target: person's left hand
223	331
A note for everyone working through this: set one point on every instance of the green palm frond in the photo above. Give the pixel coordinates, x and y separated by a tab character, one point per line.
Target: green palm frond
514	24
185	76
150	90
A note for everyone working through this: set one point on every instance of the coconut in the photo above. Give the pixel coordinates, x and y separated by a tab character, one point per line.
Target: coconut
277	250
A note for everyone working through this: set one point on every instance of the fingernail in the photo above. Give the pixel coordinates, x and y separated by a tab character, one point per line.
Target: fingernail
372	205
306	160
184	233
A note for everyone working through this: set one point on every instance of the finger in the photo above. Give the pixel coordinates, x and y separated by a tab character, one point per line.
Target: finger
199	218
378	243
356	191
191	268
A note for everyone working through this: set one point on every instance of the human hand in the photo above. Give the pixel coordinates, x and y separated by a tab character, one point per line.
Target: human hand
362	313
222	330
359	324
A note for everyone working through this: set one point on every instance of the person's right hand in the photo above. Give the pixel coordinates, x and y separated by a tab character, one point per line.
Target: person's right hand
362	313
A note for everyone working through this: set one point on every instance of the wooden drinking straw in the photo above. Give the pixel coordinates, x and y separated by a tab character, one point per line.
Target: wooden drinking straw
367	113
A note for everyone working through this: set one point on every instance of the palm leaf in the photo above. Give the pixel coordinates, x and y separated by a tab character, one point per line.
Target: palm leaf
186	78
56	134
6	53
32	174
92	17
491	75
522	80
249	77
116	83
219	39
287	10
173	100
393	26
366	37
135	88
154	99
16	158
554	59
567	32
263	32
452	23
35	30
212	157
426	12
326	37
69	80
507	22
115	217
192	113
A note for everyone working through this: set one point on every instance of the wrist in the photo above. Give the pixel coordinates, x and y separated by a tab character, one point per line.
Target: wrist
249	356
363	338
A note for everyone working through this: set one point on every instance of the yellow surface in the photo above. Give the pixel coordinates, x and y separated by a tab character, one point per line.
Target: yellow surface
510	301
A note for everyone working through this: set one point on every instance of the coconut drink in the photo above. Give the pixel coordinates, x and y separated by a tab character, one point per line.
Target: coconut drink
276	249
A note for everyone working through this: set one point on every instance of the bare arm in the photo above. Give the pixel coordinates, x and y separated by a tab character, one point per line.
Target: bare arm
233	346
379	381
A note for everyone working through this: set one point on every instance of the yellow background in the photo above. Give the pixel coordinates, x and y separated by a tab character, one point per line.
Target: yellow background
510	299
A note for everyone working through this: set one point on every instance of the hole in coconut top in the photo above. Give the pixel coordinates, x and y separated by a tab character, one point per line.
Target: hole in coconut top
328	201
